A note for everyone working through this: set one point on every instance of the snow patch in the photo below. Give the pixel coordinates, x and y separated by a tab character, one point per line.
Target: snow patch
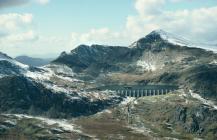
104	111
146	66
214	62
135	102
14	62
11	122
108	111
39	76
177	40
64	124
2	75
204	101
142	130
60	69
47	72
99	95
127	100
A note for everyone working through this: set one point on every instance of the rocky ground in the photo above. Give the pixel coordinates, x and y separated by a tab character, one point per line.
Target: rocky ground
162	117
172	116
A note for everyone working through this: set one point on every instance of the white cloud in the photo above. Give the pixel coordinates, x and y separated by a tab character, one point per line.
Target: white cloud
149	8
98	36
14	21
21	37
175	1
32	44
42	2
16	28
18	36
196	24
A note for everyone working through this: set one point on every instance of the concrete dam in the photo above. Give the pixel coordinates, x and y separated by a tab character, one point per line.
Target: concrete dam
139	90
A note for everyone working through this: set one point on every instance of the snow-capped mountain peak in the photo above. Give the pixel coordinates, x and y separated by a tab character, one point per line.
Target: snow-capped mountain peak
172	38
178	40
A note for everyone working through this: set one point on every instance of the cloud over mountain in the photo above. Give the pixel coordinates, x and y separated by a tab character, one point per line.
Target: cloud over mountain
198	24
16	28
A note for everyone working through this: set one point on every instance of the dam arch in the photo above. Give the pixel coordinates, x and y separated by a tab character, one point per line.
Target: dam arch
139	90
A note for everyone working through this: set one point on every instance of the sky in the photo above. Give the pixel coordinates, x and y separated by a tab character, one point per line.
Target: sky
45	28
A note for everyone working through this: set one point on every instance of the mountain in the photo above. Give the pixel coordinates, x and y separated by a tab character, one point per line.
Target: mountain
33	61
96	58
61	100
178	40
150	60
158	58
21	95
9	66
31	90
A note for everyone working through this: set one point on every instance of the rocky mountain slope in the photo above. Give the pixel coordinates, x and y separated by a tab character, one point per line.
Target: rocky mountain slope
152	59
48	91
9	66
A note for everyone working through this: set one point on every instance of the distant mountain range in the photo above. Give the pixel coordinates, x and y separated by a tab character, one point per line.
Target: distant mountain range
33	61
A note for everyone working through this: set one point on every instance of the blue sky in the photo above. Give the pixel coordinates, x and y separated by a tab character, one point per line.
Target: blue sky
47	27
65	16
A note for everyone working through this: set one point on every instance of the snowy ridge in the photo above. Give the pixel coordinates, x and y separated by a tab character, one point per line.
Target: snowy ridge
174	39
177	40
6	58
204	101
51	77
214	62
43	74
64	124
9	66
61	69
46	73
55	77
54	124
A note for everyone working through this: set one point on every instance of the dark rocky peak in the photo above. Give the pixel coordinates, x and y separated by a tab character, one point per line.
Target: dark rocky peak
156	34
81	48
157	40
103	57
84	50
96	50
63	54
152	39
